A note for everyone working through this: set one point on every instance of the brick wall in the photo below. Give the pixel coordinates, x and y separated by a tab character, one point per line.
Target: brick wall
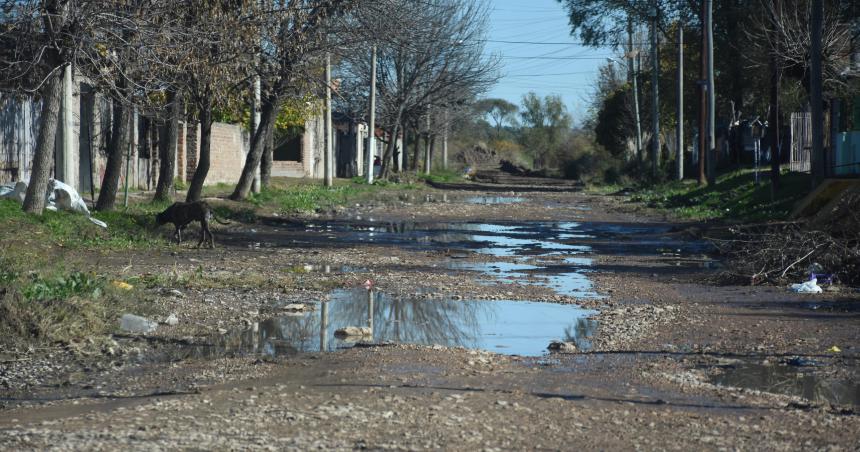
228	154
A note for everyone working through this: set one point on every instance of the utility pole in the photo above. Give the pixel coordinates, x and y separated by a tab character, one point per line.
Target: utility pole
427	153
703	99
444	143
773	125
633	71
679	158
655	107
255	125
712	151
371	135
327	158
815	98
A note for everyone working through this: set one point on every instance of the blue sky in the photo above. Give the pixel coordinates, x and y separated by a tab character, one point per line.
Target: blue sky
569	69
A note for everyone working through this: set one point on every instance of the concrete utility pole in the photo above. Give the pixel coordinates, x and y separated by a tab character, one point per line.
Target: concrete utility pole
328	157
427	152
703	99
255	124
711	148
679	158
815	97
68	171
655	107
371	135
633	71
445	142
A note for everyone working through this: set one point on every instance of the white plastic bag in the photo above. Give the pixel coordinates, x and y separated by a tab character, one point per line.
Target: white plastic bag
810	286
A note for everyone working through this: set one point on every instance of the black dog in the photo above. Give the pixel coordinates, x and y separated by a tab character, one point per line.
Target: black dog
183	213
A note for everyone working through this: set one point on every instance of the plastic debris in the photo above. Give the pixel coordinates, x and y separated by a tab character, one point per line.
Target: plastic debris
136	324
122	285
810	286
17	191
834	349
58	197
171	320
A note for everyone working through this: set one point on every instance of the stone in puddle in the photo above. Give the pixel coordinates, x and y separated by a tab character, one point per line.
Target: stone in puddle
562	347
353	331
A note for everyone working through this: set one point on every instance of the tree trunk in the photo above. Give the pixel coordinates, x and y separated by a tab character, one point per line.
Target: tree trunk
195	190
167	154
775	80
43	158
389	150
416	150
116	152
266	161
271	104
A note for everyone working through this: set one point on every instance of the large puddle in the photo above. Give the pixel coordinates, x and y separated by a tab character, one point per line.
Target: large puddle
790	380
508	327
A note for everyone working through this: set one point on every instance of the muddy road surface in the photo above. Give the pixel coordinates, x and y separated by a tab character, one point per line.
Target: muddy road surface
449	302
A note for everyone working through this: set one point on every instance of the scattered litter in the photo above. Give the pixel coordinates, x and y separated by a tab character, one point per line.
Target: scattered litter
176	293
353	331
562	347
294	307
810	286
171	320
135	324
58	197
834	349
368	284
122	285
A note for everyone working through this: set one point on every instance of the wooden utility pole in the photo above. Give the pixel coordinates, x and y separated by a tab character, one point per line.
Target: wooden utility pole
775	80
815	97
711	148
371	134
655	107
679	158
328	157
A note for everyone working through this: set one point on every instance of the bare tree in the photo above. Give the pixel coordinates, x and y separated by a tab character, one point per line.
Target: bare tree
292	38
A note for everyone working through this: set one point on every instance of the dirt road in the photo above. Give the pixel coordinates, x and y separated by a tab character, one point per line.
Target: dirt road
468	289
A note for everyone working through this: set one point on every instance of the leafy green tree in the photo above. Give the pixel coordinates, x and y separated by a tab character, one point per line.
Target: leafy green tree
546	123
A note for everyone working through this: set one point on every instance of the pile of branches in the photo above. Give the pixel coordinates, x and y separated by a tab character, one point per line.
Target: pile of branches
789	252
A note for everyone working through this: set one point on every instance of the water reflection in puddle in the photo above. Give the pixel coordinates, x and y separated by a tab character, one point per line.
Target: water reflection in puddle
507	327
789	380
489	200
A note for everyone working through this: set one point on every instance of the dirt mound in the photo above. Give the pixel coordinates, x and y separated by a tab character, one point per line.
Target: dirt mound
478	156
840	217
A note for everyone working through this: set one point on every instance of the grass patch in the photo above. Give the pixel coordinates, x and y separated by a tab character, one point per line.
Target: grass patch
56	306
734	196
441	176
289	196
126	229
